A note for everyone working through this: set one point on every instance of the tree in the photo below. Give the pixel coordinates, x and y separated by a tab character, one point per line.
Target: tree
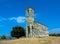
54	34
18	32
3	37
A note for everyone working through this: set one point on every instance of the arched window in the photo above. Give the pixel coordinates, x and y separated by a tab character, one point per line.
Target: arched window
32	27
28	29
28	11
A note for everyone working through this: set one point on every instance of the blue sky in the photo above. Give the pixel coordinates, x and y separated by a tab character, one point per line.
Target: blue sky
12	13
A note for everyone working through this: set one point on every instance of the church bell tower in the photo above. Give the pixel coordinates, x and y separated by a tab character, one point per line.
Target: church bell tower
29	21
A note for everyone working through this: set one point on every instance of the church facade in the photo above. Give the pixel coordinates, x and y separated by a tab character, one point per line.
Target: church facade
34	29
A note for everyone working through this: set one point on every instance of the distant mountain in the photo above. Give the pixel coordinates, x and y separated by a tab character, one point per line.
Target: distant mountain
8	37
56	31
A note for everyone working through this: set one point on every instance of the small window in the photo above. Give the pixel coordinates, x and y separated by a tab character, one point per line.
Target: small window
28	29
32	27
28	11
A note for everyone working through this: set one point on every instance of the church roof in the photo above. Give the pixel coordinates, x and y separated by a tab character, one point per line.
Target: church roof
40	23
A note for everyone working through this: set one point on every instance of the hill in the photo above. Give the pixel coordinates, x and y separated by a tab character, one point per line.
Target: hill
46	40
56	31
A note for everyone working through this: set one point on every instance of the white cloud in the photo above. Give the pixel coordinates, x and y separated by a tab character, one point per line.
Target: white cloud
55	30
18	19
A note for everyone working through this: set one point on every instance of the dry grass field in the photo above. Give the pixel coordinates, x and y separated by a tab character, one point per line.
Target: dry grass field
46	40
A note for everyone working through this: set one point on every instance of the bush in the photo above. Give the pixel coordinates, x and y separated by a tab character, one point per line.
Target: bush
18	32
3	37
54	34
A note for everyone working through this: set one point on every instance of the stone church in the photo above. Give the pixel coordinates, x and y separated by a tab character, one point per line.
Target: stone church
34	29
